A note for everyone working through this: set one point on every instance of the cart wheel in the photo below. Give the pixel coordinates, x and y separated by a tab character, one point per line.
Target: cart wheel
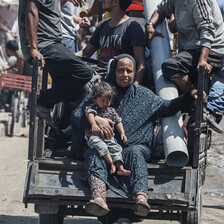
51	218
14	109
193	217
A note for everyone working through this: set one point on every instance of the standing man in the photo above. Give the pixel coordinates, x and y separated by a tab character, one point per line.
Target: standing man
68	21
201	39
116	35
42	34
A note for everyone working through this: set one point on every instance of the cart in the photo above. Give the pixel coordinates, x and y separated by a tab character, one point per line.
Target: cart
55	187
20	85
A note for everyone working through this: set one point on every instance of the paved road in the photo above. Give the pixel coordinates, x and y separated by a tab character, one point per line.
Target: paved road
13	162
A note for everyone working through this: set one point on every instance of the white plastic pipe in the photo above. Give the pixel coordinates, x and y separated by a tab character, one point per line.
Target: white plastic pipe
174	141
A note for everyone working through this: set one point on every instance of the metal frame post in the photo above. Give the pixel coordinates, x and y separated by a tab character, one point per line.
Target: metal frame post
33	103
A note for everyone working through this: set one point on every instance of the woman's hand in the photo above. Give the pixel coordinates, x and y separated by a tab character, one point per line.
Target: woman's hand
124	138
194	94
95	129
105	128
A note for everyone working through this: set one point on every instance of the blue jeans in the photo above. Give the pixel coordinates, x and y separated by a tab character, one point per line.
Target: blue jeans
216	96
71	44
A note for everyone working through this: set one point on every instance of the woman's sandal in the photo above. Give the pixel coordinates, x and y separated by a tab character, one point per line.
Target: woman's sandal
142	209
95	208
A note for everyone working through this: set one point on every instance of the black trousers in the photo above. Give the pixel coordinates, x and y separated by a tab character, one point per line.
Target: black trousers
69	75
185	63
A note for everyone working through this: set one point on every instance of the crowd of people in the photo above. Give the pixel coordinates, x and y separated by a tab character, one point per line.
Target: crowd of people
47	31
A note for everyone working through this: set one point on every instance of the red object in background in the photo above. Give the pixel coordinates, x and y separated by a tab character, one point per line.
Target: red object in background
17	82
135	7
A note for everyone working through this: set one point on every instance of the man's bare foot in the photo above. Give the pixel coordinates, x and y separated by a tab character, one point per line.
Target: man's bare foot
101	201
112	169
123	172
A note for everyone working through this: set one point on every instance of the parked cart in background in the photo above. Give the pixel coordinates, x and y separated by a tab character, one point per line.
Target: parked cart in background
20	85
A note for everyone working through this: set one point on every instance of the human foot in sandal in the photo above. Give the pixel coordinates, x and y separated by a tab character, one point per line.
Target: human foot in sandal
142	207
97	207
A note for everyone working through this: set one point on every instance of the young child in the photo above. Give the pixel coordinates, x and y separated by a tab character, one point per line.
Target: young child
109	149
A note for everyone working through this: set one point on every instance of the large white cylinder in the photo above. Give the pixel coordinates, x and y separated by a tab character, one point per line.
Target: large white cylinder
174	141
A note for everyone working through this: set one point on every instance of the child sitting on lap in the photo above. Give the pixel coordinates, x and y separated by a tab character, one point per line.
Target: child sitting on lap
109	149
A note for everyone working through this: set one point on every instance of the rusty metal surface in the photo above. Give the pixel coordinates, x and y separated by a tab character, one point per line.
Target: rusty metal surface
168	186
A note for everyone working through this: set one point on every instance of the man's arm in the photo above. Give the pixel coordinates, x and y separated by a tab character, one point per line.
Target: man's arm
203	60
88	51
150	31
206	30
139	54
32	20
20	65
83	22
7	67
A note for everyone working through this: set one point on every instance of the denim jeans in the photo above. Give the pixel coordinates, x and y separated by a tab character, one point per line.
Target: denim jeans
69	75
71	44
216	96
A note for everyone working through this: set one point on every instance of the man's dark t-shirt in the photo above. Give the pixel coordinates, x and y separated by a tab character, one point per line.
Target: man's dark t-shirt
49	26
117	40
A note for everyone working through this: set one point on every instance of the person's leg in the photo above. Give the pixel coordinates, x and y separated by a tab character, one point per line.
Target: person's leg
69	43
142	207
135	158
98	189
181	69
3	99
121	170
109	160
216	98
215	105
97	205
71	74
141	197
98	143
115	151
183	82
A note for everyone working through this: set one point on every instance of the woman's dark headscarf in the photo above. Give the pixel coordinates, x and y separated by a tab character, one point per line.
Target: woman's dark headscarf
112	65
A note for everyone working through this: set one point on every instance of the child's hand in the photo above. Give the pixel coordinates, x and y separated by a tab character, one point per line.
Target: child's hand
95	129
124	138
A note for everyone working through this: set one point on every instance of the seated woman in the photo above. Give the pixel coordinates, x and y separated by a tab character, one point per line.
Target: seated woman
139	108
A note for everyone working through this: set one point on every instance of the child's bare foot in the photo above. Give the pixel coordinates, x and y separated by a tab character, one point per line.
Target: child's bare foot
123	172
112	169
